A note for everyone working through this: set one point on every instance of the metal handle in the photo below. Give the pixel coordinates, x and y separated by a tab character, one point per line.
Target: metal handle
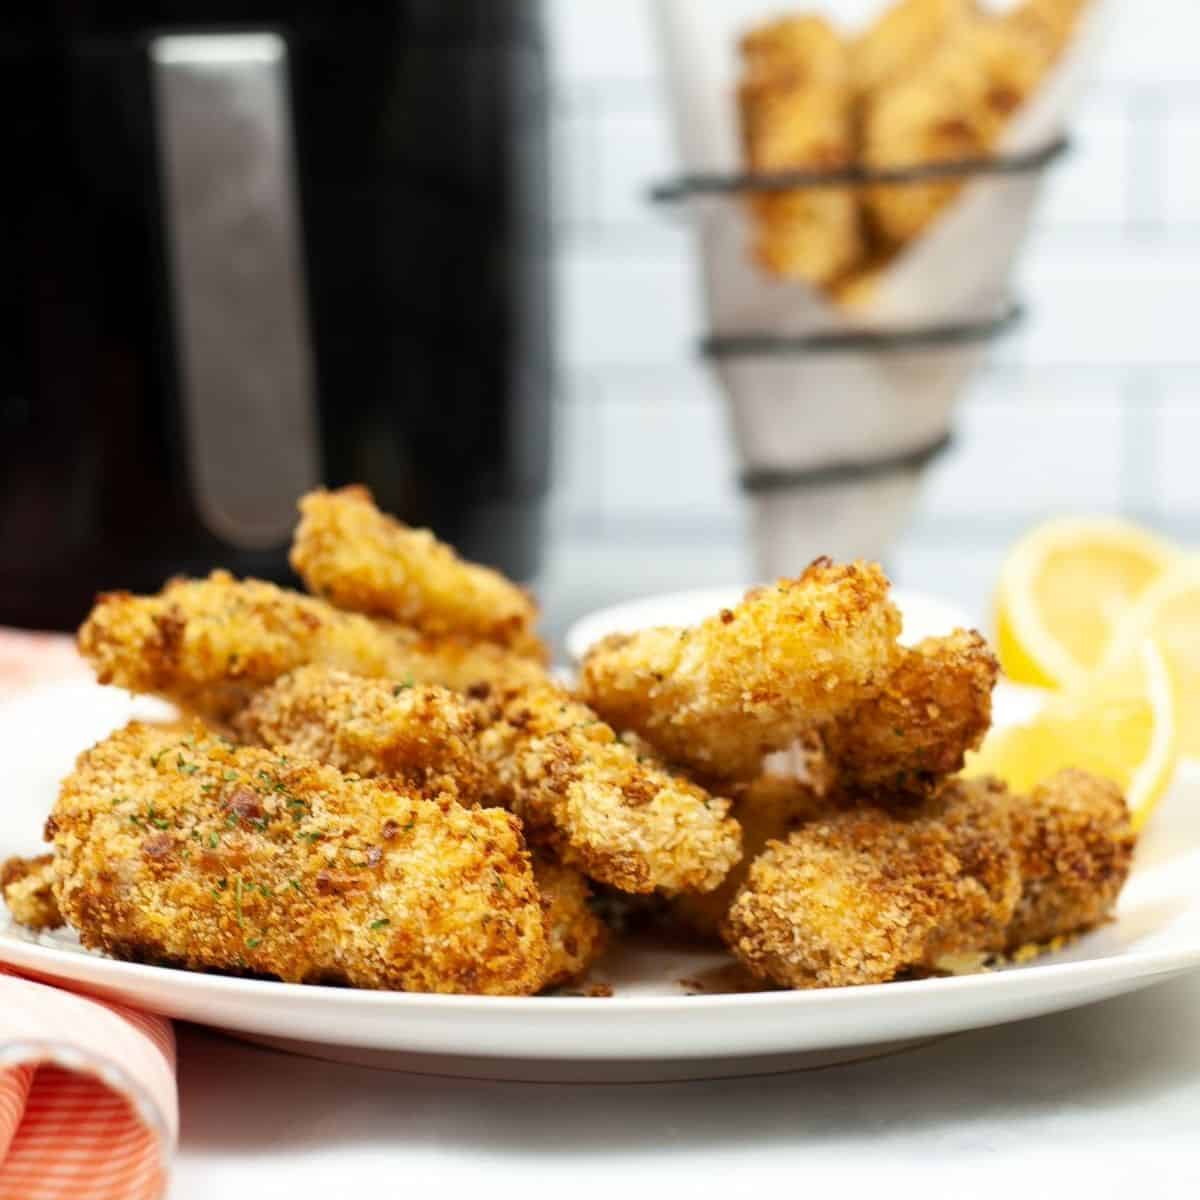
233	235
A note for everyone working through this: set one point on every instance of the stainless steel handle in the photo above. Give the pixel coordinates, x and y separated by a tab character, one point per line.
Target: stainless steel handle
238	292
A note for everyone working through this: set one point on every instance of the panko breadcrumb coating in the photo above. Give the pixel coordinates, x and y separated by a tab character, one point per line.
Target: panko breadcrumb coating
860	896
1075	844
954	107
28	888
796	107
767	810
208	644
934	707
360	559
1053	21
623	820
575	936
420	733
719	696
197	853
903	38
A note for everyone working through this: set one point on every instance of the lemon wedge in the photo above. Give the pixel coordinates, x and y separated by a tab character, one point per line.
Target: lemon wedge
1120	723
1169	613
1063	590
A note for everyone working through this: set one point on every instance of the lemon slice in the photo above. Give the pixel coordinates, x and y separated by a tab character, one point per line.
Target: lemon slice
1169	613
1064	588
1120	723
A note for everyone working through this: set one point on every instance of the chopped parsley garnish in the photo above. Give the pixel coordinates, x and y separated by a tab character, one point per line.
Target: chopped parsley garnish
295	883
213	839
186	768
230	775
253	942
310	838
155	757
380	923
237	900
403	686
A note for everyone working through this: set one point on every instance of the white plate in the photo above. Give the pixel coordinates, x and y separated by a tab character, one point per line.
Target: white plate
651	1028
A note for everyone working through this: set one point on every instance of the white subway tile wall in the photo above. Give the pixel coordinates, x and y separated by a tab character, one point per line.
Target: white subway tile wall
1091	407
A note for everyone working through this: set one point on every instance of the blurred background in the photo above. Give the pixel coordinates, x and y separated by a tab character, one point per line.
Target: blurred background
414	247
1090	407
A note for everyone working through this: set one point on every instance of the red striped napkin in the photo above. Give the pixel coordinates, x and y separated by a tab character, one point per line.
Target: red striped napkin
88	1101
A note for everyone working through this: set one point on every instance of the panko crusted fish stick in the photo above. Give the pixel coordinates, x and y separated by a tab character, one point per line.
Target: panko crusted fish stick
903	38
420	733
767	810
1075	844
360	559
622	819
426	736
860	896
208	644
197	853
575	936
719	696
934	707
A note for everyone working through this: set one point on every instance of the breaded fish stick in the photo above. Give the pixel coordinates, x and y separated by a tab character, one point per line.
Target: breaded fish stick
420	733
796	107
955	107
934	707
903	38
28	887
428	737
1075	844
201	854
860	896
575	936
767	810
719	696
208	644
360	559
624	821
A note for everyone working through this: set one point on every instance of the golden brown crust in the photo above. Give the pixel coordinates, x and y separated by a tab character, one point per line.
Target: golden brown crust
767	810
625	821
28	888
860	896
1075	843
208	644
903	38
201	854
719	696
575	936
934	707
796	107
420	733
954	107
360	559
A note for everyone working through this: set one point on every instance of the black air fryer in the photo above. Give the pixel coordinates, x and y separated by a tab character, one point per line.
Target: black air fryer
251	248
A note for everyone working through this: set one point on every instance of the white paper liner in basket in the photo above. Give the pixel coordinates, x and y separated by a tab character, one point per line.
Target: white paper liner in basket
800	411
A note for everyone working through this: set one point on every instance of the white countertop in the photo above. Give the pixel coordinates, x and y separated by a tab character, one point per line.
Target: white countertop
1102	1101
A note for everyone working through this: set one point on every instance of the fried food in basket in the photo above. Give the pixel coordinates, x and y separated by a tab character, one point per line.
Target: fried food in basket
863	895
198	853
28	888
363	560
622	818
796	105
934	707
719	696
209	644
1075	845
903	38
955	107
420	733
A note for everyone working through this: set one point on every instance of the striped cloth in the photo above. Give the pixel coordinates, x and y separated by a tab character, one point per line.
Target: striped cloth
88	1101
